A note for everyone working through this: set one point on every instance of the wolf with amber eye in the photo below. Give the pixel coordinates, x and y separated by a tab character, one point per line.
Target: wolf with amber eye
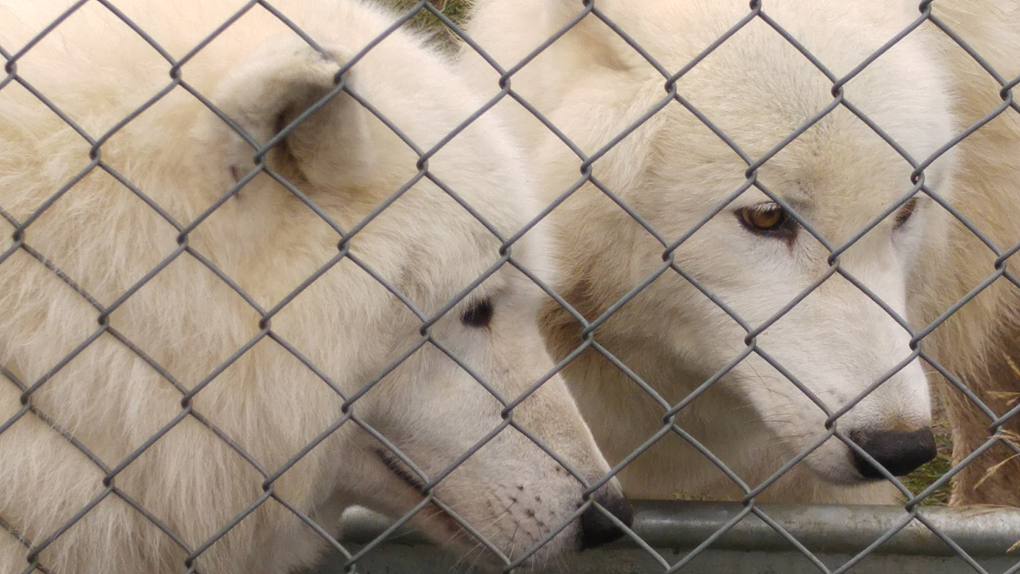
789	244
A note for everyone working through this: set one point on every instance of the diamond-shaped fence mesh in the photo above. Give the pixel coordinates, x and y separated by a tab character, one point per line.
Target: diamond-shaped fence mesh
270	264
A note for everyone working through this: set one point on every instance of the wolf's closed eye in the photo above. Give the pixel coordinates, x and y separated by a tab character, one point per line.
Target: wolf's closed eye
904	213
478	315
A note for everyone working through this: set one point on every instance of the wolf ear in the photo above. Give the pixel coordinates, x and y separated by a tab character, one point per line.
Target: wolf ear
275	86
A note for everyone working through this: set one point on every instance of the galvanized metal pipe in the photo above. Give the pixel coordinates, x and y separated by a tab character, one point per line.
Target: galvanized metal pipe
682	525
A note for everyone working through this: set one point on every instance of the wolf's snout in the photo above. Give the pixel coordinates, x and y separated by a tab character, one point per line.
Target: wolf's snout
899	452
597	528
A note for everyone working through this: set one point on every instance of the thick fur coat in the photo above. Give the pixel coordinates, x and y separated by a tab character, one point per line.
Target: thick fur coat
980	343
740	325
180	329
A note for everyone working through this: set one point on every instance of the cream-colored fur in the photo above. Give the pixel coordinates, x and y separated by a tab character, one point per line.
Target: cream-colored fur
142	358
673	171
978	343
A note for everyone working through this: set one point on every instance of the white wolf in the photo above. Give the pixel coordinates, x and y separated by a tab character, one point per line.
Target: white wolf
159	409
694	218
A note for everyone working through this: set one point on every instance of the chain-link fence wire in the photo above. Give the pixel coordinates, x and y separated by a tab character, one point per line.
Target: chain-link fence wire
756	12
35	548
588	9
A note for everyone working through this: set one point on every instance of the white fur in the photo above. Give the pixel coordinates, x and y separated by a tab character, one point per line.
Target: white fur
978	343
188	321
672	171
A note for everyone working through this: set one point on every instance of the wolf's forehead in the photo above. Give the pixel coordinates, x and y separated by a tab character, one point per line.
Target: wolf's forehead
758	88
850	184
839	161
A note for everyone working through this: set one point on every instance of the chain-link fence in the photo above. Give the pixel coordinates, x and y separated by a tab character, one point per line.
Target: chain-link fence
268	261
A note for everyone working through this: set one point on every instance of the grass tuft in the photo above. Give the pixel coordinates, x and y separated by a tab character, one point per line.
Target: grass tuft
455	10
931	471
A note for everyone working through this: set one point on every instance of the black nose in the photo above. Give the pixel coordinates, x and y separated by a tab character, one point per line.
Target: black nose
596	528
898	451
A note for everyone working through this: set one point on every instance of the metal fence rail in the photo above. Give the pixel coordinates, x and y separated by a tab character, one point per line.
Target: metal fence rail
828	529
746	537
834	535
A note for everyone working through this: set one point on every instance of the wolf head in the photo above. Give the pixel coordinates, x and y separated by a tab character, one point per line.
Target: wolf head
460	404
317	304
749	213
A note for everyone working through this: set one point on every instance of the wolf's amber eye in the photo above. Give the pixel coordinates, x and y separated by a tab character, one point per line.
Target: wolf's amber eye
769	219
904	213
479	314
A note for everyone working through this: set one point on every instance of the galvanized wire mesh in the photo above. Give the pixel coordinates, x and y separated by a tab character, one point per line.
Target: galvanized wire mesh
910	518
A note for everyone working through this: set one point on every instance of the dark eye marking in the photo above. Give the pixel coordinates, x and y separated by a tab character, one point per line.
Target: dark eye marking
478	315
769	219
904	213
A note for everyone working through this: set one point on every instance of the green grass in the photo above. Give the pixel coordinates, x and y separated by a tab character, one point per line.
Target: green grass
928	473
455	10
